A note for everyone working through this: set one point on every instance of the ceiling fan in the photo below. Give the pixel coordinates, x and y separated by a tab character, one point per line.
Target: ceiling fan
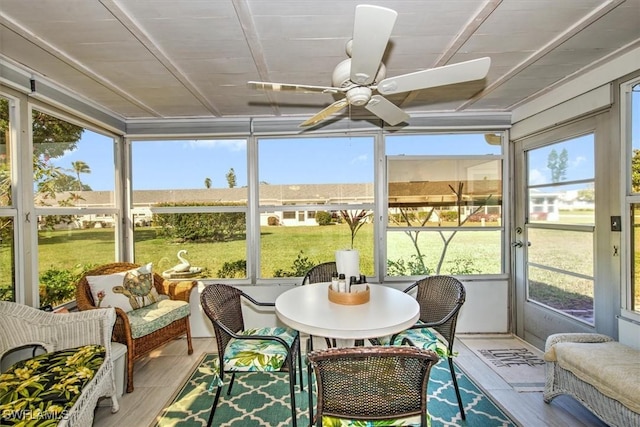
362	77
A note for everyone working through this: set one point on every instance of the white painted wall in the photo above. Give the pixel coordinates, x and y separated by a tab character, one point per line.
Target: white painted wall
485	310
629	332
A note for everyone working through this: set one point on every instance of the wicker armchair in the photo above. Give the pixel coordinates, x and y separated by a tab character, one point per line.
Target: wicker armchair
137	347
248	350
371	383
440	299
22	326
316	274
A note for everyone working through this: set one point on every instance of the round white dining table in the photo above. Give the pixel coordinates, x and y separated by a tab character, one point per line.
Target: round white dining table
308	309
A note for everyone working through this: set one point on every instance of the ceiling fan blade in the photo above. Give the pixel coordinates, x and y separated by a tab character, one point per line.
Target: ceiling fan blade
386	110
326	112
371	32
277	87
493	138
475	69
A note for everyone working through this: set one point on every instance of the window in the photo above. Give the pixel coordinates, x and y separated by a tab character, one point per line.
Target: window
631	132
74	182
7	211
444	213
313	199
561	218
191	195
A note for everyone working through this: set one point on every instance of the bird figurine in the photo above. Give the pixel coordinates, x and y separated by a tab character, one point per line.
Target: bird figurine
184	265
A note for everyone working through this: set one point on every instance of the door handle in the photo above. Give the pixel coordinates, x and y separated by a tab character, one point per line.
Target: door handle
519	244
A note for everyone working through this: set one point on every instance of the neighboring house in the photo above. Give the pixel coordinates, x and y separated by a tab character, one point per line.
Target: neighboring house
270	195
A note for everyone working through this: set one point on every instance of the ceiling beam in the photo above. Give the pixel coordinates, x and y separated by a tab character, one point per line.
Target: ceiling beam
245	17
136	30
72	62
576	28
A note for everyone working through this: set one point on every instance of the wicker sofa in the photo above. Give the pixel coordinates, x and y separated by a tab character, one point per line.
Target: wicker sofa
601	373
63	384
144	329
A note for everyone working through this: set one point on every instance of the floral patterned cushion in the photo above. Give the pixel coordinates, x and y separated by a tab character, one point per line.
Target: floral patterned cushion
424	338
256	355
157	315
45	387
339	422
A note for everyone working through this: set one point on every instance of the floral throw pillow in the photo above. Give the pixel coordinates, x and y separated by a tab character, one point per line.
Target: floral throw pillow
127	290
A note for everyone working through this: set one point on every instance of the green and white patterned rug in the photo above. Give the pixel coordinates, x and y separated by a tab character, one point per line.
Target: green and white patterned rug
262	399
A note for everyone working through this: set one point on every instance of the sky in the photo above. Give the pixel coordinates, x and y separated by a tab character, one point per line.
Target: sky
186	164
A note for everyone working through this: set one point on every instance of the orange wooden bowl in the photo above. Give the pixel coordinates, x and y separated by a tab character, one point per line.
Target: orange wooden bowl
349	298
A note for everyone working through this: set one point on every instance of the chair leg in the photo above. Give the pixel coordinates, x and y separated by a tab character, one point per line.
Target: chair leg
115	406
233	377
330	343
189	343
213	407
129	370
455	385
300	366
310	388
292	393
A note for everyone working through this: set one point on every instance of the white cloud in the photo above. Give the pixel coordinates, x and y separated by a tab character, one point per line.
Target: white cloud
537	177
229	144
577	162
359	159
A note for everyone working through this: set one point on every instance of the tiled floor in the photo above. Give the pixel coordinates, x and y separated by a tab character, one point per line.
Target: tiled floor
158	376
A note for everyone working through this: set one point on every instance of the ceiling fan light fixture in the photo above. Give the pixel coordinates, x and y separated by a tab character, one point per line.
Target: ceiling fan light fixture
359	95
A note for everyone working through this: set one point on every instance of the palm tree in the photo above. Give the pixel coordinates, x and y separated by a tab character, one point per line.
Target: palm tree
207	182
80	167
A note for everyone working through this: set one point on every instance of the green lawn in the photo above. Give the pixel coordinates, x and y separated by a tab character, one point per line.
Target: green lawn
280	246
470	252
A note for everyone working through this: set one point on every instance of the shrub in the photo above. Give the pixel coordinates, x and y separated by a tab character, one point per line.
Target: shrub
478	217
201	227
273	220
6	293
57	286
299	267
414	267
461	266
449	216
323	218
233	269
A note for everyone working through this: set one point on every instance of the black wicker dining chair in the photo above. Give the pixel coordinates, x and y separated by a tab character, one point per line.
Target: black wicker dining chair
440	298
320	273
272	349
370	383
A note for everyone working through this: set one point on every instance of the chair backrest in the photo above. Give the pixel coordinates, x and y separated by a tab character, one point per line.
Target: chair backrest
320	273
440	299
222	305
372	383
84	298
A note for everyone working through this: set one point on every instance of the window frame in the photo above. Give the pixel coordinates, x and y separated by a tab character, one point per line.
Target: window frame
114	209
195	209
10	211
629	198
506	209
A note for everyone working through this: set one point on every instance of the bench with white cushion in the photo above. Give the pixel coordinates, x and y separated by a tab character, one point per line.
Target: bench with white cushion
601	373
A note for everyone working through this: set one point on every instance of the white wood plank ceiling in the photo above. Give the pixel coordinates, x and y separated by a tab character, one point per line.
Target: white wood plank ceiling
147	59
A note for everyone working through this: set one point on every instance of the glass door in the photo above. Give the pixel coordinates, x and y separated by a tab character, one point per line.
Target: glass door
554	235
